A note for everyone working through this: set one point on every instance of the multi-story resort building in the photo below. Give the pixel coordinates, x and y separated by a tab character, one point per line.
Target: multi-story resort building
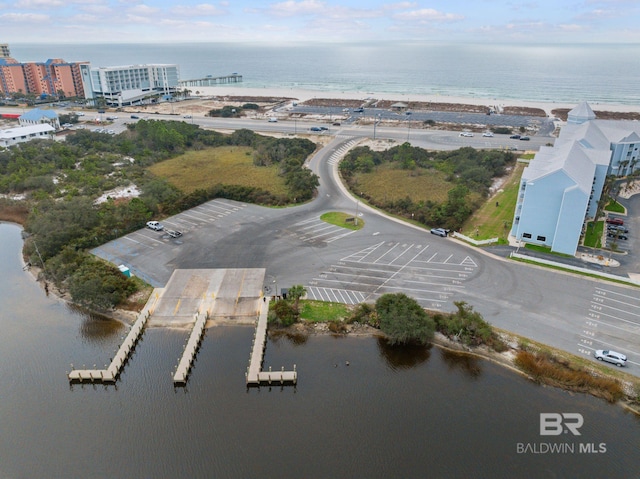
55	77
561	186
126	85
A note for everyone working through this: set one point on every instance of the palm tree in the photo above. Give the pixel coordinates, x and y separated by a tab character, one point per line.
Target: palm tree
296	292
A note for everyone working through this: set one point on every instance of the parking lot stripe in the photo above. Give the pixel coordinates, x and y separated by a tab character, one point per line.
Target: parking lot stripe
304	222
331	240
401	254
595	320
144	236
604	305
205	214
388	251
192	217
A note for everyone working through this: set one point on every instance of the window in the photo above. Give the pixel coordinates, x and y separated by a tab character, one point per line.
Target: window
541	238
526	235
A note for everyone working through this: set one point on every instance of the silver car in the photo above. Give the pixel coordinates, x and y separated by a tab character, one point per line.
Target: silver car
613	357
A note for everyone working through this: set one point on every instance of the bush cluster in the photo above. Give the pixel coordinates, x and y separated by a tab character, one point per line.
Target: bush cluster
468	169
468	327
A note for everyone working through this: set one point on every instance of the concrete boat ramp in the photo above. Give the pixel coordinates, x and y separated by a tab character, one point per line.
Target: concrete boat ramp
191	298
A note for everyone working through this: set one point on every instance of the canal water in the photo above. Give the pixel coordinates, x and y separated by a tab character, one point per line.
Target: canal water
389	413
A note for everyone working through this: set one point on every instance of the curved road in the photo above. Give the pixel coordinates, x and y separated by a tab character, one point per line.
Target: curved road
566	311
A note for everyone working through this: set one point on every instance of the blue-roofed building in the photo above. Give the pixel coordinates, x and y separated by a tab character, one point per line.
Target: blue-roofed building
38	117
561	186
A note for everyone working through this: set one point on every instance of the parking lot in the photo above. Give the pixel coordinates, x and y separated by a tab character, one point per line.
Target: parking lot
612	322
421	271
145	247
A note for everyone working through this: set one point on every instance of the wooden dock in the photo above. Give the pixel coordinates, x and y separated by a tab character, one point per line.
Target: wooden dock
254	374
190	350
111	373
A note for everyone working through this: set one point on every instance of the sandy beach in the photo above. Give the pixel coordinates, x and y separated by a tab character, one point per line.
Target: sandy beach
304	95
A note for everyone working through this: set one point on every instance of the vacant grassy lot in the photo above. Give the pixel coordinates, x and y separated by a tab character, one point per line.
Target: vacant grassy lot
228	165
492	221
387	184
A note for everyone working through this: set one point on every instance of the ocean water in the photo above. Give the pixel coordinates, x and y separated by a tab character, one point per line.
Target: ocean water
598	73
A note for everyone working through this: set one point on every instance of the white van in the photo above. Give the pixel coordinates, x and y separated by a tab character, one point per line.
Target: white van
273	119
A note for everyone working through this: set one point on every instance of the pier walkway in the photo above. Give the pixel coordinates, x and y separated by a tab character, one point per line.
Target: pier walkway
211	81
254	374
111	373
190	350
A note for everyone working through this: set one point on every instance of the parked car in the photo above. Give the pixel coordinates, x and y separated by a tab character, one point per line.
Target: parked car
618	228
155	225
515	137
613	357
615	221
616	234
174	234
466	133
439	232
488	134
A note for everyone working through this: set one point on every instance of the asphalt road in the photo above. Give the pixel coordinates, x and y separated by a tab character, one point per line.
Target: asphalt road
569	312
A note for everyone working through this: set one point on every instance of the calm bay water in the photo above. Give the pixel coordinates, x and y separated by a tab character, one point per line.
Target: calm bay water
604	73
390	413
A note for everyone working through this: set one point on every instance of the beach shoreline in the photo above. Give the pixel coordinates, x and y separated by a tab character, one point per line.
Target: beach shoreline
301	95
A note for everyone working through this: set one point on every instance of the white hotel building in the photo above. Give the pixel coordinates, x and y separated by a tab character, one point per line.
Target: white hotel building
126	85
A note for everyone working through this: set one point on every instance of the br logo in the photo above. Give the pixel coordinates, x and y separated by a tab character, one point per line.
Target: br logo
554	424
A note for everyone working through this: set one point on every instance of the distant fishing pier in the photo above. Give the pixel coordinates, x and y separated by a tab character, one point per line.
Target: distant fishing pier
190	299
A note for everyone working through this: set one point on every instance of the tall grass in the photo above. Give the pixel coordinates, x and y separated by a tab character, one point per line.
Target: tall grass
546	369
227	165
388	183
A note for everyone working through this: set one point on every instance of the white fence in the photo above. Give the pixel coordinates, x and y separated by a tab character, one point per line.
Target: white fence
474	242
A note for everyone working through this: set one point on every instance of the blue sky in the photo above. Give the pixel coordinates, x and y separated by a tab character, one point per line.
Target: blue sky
154	21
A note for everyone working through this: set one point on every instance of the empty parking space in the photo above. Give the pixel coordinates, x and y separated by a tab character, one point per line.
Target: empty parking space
142	245
421	271
612	322
314	230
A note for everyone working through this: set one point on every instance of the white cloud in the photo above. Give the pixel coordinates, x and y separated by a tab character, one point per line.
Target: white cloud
25	17
427	15
202	9
291	8
142	10
39	4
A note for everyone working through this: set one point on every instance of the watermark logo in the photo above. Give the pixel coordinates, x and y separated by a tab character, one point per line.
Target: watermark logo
554	424
557	424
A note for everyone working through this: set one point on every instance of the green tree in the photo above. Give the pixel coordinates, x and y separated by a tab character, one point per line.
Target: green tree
296	292
403	320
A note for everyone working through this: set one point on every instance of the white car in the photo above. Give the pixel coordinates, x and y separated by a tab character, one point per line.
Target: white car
439	232
155	225
466	133
613	357
187	116
488	134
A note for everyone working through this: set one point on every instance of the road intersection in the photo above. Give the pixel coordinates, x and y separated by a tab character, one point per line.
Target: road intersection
570	312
